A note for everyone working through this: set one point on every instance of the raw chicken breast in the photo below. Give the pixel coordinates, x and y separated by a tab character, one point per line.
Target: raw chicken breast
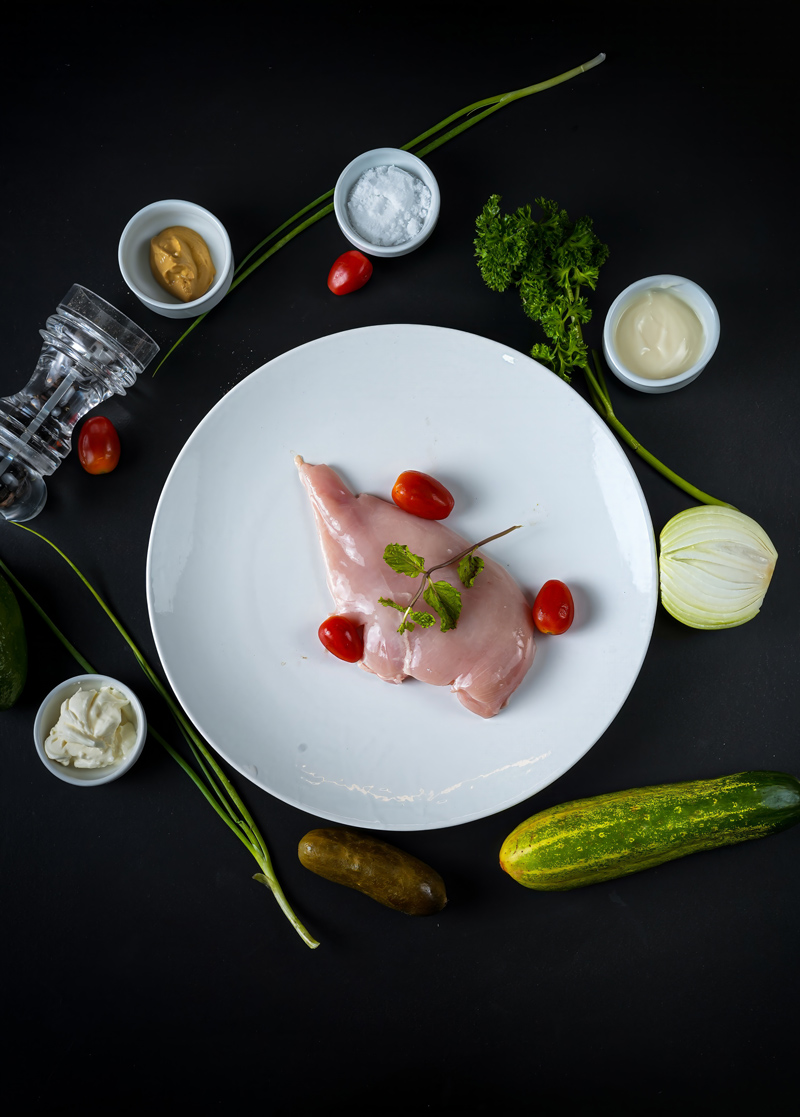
483	660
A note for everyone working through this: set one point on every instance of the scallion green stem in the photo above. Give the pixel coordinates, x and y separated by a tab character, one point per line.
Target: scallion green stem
276	232
493	104
601	401
239	821
283	241
489	105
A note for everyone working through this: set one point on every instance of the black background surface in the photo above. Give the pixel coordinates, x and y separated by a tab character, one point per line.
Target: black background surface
141	964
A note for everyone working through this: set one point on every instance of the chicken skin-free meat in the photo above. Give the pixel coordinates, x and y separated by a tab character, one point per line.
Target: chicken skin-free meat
483	660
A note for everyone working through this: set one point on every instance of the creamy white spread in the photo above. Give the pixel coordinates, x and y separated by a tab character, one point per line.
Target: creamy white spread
659	335
95	729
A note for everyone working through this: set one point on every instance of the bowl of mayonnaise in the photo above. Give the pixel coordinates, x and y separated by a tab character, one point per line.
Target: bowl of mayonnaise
660	333
90	730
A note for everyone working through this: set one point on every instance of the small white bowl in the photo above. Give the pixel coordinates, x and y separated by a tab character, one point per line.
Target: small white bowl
134	256
691	294
47	717
383	157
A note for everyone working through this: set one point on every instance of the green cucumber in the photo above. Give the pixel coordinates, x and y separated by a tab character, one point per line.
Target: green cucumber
13	648
609	836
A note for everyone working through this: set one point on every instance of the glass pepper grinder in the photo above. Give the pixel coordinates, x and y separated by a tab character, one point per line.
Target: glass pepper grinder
91	351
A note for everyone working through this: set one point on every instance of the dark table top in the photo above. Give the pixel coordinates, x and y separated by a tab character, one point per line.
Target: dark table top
141	962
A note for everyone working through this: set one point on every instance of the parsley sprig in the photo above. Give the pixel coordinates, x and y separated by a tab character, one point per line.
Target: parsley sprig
442	597
551	261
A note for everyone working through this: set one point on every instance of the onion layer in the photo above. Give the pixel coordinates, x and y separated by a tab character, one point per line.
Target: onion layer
716	565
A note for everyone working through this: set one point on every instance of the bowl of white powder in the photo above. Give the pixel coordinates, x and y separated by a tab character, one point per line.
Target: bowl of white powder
90	730
386	202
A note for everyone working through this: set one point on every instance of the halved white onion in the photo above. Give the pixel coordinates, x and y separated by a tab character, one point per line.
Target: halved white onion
716	565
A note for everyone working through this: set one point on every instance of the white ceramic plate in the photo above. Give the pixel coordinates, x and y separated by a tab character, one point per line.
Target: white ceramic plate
236	584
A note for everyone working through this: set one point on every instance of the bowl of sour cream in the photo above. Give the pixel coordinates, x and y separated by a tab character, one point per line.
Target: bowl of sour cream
660	333
386	202
90	730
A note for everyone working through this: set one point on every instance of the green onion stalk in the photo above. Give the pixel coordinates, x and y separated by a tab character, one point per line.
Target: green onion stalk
217	788
322	206
601	400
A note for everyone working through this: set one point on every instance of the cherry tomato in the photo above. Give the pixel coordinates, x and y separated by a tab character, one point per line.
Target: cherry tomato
553	609
349	272
98	445
422	495
343	638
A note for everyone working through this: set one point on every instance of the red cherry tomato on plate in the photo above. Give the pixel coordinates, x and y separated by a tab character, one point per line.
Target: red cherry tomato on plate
349	272
422	495
343	638
98	445
553	609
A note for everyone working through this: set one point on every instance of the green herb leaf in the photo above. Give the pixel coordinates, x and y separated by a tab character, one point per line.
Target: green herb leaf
401	560
424	620
446	600
469	568
549	261
411	618
392	604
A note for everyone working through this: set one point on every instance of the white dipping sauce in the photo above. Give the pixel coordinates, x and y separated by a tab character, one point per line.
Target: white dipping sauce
658	335
95	729
388	206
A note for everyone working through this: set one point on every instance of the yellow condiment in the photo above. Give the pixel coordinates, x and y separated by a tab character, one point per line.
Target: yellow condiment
659	335
181	262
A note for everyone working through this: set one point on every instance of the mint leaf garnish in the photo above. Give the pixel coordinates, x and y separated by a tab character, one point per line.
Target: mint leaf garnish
443	598
398	556
411	617
446	600
469	568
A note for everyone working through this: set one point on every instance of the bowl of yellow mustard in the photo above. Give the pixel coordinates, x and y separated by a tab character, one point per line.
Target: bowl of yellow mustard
176	258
